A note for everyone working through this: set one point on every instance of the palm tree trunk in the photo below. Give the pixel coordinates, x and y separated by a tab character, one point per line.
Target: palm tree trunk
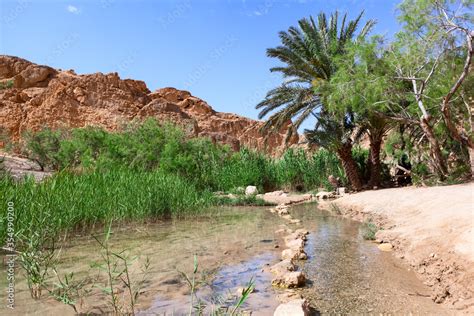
439	163
471	158
368	168
350	166
375	164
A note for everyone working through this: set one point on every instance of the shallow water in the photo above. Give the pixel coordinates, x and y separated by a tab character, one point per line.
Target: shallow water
350	275
346	274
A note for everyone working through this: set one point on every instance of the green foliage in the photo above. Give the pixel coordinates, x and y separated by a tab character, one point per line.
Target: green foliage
308	55
145	171
6	84
68	200
333	131
369	229
360	157
44	147
300	171
241	200
150	146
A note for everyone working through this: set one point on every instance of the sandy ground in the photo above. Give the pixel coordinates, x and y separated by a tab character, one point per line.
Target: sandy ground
432	229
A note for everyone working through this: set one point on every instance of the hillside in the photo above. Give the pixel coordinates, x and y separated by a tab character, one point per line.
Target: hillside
43	96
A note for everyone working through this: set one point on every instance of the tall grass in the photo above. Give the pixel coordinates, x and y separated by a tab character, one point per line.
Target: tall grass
69	200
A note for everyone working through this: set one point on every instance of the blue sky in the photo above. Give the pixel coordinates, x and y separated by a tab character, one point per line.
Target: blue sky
215	49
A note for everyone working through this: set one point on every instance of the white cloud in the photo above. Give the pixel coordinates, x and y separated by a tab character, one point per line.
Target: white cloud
72	9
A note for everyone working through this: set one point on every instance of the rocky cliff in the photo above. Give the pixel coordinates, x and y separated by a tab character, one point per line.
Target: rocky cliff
34	96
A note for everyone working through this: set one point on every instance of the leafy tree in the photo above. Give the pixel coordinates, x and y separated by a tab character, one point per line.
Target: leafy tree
308	53
362	84
436	35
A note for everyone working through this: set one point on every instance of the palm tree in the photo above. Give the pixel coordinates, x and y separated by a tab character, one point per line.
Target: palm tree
308	54
335	132
376	128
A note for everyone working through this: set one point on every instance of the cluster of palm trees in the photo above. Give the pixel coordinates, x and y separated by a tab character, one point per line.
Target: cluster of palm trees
354	86
308	54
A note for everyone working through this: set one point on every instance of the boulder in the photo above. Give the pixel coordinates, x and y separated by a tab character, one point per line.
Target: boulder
294	243
282	267
294	254
290	280
298	307
385	247
251	190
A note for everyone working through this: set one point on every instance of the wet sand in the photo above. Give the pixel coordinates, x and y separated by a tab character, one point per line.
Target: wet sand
432	229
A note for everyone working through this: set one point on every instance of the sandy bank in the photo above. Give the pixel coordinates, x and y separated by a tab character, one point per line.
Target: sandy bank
432	229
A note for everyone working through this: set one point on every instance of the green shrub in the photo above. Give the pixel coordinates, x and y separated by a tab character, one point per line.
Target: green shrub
241	200
151	146
369	229
44	147
6	84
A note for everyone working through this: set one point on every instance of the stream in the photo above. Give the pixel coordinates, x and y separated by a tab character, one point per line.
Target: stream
345	273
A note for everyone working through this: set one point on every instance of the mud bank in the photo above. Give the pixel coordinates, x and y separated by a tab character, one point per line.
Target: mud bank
432	229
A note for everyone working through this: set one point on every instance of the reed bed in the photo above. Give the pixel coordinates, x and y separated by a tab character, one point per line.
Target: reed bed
69	200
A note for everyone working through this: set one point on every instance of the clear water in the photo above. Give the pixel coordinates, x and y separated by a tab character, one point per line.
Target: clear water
346	273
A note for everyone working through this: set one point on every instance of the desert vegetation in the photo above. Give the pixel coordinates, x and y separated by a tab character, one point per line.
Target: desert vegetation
413	91
146	171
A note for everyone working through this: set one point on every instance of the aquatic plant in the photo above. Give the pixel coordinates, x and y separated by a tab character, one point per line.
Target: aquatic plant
199	306
116	265
68	290
369	229
80	201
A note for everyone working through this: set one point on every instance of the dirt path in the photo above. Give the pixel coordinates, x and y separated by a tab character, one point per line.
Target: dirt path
431	228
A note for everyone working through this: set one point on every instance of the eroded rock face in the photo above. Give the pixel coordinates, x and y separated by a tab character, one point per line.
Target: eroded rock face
43	96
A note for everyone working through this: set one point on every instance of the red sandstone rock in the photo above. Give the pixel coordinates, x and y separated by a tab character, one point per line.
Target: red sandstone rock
43	96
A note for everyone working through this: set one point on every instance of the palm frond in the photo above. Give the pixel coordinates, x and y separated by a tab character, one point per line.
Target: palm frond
308	54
